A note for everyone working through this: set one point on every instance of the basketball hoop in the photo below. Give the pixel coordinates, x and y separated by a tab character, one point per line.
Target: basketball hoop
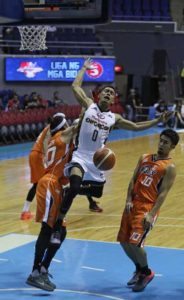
33	37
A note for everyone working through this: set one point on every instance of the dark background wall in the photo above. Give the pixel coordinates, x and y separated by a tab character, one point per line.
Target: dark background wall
135	50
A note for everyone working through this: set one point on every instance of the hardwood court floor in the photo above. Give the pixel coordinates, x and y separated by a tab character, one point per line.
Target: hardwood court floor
83	224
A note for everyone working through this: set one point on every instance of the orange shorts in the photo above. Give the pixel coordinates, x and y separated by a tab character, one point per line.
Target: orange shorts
48	196
131	228
36	166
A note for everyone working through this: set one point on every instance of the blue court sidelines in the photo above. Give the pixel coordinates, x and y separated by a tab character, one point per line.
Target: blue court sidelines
90	270
21	150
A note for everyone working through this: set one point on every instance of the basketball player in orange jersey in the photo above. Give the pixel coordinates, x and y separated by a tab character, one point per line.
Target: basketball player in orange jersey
48	196
37	169
147	191
94	129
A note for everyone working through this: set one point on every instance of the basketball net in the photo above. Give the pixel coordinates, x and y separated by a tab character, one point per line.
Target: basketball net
33	37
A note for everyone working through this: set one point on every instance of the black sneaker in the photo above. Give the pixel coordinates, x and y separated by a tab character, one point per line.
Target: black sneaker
134	278
45	276
143	282
38	281
94	207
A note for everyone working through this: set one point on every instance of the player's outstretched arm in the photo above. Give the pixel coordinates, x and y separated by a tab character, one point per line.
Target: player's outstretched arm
76	86
126	124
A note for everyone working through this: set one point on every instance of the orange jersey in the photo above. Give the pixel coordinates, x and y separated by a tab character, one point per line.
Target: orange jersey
149	178
37	169
57	155
38	145
36	157
49	188
48	197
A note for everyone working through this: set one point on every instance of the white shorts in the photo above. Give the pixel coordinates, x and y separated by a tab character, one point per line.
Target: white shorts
85	160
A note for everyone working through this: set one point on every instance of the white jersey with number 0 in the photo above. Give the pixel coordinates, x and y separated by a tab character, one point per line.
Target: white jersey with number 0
92	135
94	129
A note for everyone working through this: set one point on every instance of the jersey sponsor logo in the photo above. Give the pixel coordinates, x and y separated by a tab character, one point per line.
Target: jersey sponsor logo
96	124
148	170
100	116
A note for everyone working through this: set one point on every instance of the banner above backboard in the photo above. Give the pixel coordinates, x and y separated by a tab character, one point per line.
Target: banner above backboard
57	69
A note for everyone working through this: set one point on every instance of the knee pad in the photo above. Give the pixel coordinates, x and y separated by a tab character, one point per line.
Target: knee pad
98	191
89	188
75	183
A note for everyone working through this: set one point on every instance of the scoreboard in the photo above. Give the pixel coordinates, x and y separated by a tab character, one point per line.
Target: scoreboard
67	11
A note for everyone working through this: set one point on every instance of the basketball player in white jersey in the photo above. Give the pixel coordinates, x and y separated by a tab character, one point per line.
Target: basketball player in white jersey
94	127
93	205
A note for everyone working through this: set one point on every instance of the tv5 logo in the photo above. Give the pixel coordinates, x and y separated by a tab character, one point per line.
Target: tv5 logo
95	71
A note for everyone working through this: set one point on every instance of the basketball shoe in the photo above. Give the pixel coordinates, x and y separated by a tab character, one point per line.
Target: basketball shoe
142	282
26	215
40	282
45	276
134	278
93	205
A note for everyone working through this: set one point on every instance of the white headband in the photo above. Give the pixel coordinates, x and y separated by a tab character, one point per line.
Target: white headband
59	125
59	114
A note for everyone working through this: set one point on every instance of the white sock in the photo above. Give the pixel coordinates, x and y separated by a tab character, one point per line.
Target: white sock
26	206
43	270
35	273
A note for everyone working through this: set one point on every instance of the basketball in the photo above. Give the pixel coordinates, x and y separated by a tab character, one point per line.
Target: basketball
104	159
